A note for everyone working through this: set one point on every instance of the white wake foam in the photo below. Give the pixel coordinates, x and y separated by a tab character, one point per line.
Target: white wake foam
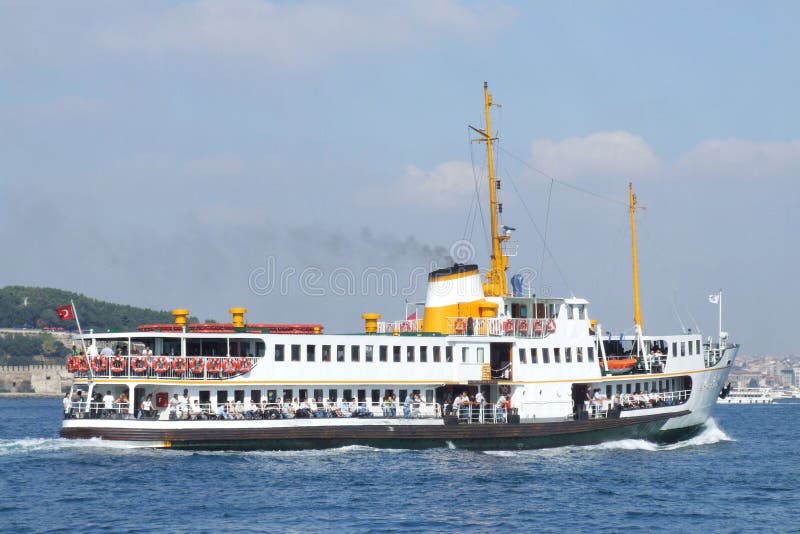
29	445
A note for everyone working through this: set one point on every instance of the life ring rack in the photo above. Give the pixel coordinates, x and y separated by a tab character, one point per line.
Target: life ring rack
99	364
160	365
117	365
139	365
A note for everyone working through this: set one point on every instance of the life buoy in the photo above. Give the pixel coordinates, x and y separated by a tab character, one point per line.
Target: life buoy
405	326
160	365
196	365
117	365
537	326
523	327
245	365
83	365
138	365
179	366
508	326
72	364
212	366
230	365
460	326
551	325
99	364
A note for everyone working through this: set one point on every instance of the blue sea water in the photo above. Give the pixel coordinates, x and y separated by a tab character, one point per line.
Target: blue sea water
741	474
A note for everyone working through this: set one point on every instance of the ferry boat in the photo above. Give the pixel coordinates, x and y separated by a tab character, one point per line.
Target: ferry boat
747	396
483	368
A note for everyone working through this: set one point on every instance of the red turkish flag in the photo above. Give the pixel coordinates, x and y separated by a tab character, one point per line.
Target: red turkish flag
65	312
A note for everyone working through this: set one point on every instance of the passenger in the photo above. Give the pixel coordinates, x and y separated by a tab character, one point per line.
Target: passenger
457	406
147	352
222	413
91	351
481	402
75	403
320	411
344	408
415	406
75	351
146	408
174	407
312	407
97	404
387	405
407	406
197	411
500	409
122	402
394	406
108	403
465	406
107	352
598	402
183	400
67	404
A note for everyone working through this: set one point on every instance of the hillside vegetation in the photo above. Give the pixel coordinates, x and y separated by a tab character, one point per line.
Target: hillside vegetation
35	307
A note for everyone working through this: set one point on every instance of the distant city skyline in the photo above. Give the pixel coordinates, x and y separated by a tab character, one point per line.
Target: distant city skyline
163	154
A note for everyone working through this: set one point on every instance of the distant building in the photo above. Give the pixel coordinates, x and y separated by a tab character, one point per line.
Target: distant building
787	378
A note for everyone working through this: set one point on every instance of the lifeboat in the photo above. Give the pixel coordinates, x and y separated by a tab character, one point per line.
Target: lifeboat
619	366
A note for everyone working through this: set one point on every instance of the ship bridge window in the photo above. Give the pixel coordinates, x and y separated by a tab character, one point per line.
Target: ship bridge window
437	354
423	354
396	353
674	348
659	345
568	355
534	355
545	355
410	354
557	355
326	353
590	353
690	348
295	353
697	346
683	348
448	354
355	353
522	356
278	353
479	357
368	353
310	353
464	354
339	353
579	354
384	353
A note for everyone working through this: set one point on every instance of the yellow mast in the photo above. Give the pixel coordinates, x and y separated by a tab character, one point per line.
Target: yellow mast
637	312
495	285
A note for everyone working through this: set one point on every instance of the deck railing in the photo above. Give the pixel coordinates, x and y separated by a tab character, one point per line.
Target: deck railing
161	367
496	326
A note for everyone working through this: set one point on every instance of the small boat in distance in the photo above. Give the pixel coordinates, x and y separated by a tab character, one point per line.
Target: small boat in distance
483	368
747	396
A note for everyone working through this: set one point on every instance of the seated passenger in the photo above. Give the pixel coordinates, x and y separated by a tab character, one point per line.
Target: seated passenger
500	409
196	412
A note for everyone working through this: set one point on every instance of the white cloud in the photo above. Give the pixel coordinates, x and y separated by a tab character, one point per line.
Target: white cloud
600	154
736	158
445	185
294	33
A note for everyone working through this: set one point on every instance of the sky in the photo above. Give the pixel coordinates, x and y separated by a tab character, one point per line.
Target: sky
311	161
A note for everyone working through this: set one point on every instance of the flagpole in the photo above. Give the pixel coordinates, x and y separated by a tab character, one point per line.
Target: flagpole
80	332
83	343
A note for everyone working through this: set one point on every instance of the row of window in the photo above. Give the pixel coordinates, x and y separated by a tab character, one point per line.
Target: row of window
568	352
660	386
684	346
320	395
326	353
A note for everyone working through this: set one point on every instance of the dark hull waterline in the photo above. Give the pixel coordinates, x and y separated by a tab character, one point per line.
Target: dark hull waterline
463	436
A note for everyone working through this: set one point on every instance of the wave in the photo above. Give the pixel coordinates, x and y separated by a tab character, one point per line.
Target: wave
28	445
710	435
